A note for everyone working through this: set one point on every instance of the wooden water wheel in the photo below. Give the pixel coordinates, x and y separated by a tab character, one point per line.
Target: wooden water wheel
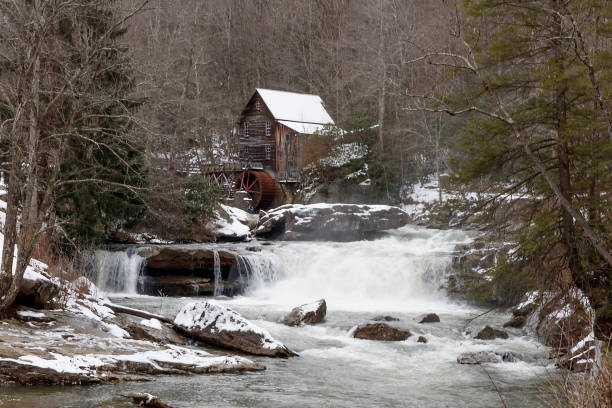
259	186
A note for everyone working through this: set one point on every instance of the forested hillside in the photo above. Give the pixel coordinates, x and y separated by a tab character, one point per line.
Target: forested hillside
489	118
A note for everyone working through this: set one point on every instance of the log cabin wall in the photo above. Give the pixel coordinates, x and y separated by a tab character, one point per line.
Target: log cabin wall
289	145
256	138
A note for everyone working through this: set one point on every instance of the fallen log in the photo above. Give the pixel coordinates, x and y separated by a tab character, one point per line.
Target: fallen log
138	313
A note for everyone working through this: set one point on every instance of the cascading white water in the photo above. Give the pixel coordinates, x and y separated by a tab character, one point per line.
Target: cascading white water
402	271
117	271
398	275
256	269
218	290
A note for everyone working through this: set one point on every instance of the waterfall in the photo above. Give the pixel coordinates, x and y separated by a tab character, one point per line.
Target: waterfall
218	291
255	269
117	271
400	272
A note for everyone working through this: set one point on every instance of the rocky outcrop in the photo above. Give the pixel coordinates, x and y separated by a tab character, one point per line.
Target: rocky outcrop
310	313
429	318
336	222
189	270
231	223
214	324
380	331
562	321
85	342
489	333
37	289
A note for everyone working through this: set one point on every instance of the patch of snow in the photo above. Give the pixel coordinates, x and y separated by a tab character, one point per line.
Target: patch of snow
310	307
88	363
116	331
345	153
147	238
531	298
152	323
28	313
236	227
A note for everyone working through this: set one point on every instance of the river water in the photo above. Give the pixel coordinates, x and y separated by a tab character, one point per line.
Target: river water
399	275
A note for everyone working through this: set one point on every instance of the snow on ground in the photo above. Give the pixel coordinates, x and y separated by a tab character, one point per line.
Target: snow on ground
147	238
28	313
152	323
91	364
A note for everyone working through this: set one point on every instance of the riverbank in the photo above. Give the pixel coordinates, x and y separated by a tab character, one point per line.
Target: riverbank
78	339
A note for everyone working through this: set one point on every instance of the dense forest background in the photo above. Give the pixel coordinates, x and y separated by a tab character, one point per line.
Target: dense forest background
107	105
198	63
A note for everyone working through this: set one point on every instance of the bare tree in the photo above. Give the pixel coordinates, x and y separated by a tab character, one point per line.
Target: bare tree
59	90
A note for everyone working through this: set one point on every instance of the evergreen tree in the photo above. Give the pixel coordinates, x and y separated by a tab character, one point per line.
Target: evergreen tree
536	127
64	97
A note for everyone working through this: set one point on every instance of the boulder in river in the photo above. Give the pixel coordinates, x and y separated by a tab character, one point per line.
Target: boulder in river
310	313
380	331
489	333
480	357
429	318
336	222
422	339
214	324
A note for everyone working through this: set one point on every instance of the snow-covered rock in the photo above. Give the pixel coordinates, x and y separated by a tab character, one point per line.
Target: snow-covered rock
231	224
37	288
336	222
564	322
310	313
214	324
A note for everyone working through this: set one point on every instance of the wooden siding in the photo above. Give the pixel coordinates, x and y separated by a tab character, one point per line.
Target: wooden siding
252	146
285	144
289	148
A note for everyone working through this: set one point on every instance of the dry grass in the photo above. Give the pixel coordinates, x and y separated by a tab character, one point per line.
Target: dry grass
62	267
584	390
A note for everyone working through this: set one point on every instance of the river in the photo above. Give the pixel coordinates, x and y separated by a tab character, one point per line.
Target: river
399	275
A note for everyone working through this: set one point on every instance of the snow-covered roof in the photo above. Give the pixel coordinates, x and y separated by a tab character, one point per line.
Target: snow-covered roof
297	109
302	127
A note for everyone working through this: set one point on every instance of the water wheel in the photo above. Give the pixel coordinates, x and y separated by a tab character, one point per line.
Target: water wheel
259	186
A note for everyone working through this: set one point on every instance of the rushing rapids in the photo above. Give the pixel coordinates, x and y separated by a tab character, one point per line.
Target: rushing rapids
398	276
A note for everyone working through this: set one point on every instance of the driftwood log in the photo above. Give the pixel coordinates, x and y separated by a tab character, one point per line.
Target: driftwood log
138	313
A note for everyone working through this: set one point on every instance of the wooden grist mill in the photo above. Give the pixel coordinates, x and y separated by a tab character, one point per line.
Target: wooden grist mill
271	132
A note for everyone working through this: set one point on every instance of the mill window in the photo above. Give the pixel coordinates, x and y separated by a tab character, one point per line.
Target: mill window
268	152
257	105
246	129
268	129
246	149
